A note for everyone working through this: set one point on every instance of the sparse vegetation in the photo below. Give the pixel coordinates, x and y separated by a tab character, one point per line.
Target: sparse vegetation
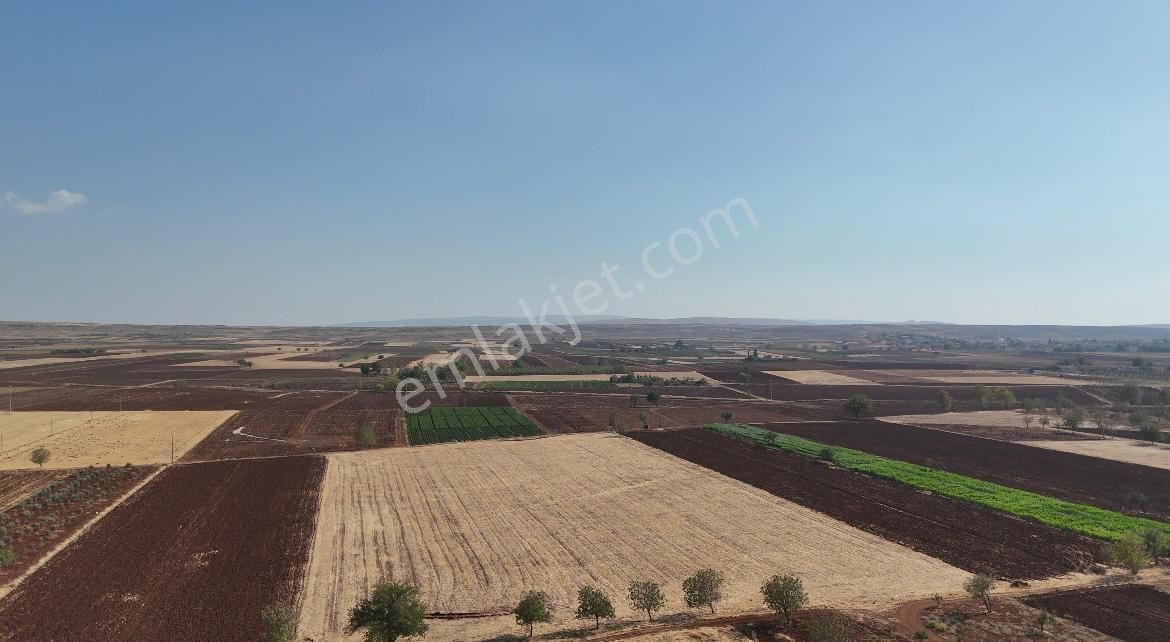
1129	553
979	586
280	623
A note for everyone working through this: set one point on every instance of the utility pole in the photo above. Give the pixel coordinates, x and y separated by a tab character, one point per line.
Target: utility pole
172	447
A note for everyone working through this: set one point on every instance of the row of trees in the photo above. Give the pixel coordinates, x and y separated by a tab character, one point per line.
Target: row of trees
395	610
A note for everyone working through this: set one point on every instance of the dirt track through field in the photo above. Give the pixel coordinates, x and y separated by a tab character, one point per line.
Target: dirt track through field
475	525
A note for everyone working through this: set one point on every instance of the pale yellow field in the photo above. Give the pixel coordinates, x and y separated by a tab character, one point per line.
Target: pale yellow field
973	418
1127	450
988	377
78	439
267	358
475	525
821	377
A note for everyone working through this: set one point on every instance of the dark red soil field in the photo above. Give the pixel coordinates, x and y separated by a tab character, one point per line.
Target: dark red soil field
572	412
966	536
169	398
39	522
195	555
265	433
1076	478
1131	612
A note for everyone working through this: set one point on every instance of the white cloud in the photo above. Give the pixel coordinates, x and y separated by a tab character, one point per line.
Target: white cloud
58	201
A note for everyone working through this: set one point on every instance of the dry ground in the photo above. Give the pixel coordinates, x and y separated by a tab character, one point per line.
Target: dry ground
988	377
273	361
15	485
78	439
476	525
976	418
820	377
1126	450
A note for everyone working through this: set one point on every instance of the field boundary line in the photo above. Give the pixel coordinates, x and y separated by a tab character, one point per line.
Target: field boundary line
15	583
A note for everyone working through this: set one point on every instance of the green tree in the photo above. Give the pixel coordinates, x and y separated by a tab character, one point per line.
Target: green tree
785	595
532	610
392	610
633	401
1131	393
592	603
6	556
944	401
859	405
644	417
365	437
653	397
1003	398
703	588
979	587
647	596
280	623
1156	542
727	416
40	456
1074	417
1129	553
1043	619
983	395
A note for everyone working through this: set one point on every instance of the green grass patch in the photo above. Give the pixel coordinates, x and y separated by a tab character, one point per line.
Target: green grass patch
1078	518
524	371
437	425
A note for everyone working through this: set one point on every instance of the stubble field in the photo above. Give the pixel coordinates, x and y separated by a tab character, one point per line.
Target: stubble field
78	439
476	525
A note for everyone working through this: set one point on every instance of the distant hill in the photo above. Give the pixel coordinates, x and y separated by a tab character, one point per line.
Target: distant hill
600	319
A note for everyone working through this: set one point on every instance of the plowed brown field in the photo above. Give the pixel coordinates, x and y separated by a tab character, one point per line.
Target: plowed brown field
194	555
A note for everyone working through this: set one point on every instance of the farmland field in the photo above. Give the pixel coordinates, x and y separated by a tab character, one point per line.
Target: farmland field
938	526
194	555
1131	613
1075	478
476	525
77	439
1079	518
1130	451
264	433
16	484
439	425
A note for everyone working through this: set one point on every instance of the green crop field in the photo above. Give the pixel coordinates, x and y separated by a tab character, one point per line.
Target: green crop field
439	425
1079	518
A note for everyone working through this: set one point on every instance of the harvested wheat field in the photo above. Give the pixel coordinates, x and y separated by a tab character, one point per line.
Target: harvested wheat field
1127	450
475	525
820	377
77	439
988	377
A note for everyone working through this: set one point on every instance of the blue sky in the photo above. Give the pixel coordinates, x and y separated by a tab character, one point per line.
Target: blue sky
307	162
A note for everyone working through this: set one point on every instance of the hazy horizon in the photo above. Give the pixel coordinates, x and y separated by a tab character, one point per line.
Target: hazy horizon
307	164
